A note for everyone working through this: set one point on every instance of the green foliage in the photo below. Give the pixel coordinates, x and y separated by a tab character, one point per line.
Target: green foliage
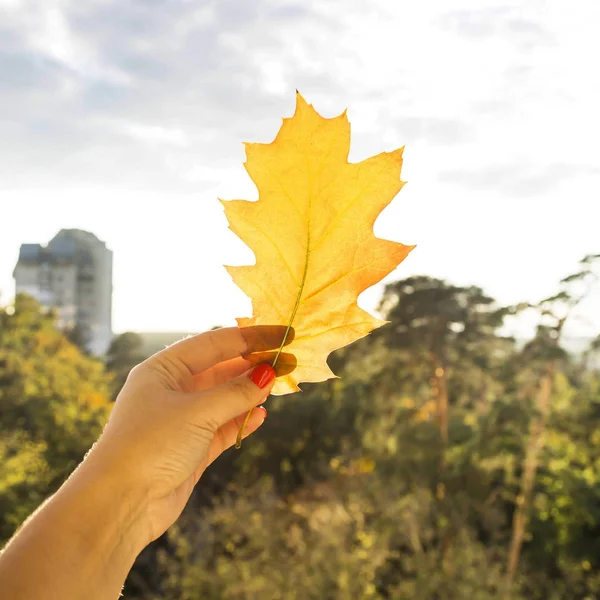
24	480
124	353
358	487
53	405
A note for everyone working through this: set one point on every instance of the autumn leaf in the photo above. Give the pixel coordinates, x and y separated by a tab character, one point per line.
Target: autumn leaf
311	231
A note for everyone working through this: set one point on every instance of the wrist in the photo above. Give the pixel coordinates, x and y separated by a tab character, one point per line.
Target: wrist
113	514
81	543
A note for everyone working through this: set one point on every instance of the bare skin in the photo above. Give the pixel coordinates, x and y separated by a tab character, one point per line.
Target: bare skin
178	411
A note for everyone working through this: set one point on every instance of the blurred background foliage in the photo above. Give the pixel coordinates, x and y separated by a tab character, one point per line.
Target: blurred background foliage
449	461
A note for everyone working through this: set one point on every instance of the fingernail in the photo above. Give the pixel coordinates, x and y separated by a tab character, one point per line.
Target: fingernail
262	375
264	411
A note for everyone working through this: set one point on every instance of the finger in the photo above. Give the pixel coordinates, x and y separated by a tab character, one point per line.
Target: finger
226	436
202	351
285	362
224	371
220	404
221	373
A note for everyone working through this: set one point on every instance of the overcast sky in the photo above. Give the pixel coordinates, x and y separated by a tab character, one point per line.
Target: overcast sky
127	118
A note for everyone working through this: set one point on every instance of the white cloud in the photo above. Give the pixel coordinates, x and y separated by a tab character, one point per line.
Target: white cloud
154	133
496	103
11	4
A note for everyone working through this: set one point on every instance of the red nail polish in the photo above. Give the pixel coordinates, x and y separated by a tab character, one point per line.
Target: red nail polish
262	375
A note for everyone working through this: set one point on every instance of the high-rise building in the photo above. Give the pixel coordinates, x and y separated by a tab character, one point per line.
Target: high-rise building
73	274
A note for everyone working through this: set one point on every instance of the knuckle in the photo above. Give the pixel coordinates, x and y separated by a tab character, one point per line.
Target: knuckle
243	389
207	426
215	348
136	371
165	370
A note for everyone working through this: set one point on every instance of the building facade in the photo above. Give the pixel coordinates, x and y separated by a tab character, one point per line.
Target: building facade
73	274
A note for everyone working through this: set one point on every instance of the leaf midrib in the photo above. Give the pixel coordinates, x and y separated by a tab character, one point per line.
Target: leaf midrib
308	249
299	297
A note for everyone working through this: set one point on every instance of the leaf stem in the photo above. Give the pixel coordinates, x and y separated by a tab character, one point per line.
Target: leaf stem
238	441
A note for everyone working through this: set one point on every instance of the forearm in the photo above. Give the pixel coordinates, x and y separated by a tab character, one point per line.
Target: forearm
80	544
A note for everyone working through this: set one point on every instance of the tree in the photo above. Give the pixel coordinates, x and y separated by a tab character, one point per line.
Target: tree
124	353
542	356
351	489
79	337
53	405
443	331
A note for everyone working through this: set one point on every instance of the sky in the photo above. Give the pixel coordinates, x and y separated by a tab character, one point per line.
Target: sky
126	118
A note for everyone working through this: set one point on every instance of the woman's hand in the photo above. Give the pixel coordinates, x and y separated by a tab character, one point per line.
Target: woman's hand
179	410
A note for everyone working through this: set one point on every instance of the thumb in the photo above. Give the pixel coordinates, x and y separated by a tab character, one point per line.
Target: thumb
225	402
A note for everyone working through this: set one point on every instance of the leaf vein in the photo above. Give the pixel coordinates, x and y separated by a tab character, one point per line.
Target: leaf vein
342	276
269	239
348	207
326	331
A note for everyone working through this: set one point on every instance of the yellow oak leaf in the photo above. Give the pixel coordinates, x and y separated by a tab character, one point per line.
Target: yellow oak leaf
311	231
